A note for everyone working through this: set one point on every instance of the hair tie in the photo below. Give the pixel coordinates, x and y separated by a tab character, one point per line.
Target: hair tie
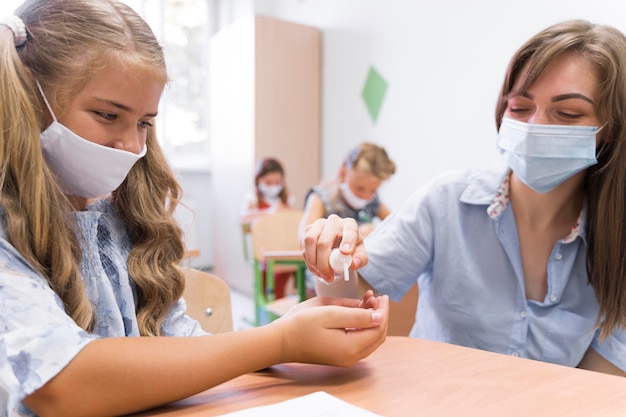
18	28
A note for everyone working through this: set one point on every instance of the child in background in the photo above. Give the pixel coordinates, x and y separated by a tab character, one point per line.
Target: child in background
354	193
270	195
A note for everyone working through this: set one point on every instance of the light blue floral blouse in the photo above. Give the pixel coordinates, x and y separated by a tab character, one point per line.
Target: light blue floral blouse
37	338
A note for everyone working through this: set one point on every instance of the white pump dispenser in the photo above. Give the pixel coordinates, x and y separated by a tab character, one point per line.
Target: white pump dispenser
340	263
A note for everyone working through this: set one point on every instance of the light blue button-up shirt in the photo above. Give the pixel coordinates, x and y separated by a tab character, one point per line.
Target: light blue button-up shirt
37	338
469	272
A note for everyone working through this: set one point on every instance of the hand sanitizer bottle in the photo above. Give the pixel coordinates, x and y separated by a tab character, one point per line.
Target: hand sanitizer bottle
340	263
346	282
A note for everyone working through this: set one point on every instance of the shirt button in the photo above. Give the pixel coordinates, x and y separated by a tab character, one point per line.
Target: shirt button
553	298
523	314
558	256
515	354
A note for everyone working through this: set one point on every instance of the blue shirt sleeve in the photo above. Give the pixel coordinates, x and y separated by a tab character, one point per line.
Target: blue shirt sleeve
401	247
37	338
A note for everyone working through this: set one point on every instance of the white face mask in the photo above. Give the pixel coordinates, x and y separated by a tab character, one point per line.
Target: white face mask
353	201
83	168
270	192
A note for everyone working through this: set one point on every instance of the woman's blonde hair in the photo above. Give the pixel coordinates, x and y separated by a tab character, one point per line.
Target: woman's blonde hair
605	47
68	42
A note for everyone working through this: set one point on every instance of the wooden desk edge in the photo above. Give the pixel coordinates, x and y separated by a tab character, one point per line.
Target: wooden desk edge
495	384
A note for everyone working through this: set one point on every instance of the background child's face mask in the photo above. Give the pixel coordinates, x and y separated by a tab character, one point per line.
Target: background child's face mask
270	192
352	199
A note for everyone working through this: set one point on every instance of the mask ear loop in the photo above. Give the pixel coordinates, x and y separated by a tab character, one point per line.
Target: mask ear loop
45	100
603	144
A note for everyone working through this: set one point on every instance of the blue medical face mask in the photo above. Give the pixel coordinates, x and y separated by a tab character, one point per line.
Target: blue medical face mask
544	156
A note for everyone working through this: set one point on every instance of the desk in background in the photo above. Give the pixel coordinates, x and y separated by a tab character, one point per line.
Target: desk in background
409	377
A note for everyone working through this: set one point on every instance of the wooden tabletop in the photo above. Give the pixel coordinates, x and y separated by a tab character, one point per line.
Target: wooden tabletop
289	255
413	377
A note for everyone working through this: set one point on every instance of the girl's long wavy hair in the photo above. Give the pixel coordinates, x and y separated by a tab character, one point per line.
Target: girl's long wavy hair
68	42
605	183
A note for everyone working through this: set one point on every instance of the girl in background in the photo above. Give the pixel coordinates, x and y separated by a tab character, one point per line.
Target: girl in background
270	196
354	192
270	192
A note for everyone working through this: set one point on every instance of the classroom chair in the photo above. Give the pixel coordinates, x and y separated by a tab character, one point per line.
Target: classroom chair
208	300
276	249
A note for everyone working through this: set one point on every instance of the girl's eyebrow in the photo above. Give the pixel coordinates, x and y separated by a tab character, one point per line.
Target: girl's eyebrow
123	107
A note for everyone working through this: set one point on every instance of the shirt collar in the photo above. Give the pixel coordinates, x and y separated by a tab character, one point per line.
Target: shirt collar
483	184
500	202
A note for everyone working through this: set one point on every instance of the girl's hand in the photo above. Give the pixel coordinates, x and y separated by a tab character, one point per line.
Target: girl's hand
334	331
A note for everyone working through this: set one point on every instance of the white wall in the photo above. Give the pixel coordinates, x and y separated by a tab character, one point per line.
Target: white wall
444	61
195	215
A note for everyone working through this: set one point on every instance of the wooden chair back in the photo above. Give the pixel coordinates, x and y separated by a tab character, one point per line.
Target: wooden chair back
208	300
276	232
276	249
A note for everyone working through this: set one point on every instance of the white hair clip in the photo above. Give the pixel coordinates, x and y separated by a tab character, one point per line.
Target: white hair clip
18	28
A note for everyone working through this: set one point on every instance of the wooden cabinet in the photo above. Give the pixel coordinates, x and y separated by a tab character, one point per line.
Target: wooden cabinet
265	86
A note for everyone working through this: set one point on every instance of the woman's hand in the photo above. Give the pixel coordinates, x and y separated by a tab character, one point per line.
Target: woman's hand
323	235
365	229
334	331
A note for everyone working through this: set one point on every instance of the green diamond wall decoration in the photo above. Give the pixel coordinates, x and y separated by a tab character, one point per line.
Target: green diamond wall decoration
374	92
